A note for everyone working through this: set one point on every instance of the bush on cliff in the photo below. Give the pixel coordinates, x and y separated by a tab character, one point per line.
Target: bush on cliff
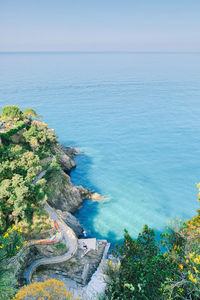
16	201
40	138
141	271
49	289
184	251
18	195
10	244
11	111
145	272
6	135
19	165
30	113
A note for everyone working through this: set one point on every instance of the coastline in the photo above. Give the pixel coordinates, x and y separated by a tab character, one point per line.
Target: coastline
54	242
87	281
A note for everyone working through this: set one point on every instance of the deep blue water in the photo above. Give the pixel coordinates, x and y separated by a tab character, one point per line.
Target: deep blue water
136	119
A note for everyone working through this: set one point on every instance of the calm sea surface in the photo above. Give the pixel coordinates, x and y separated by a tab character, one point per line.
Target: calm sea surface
135	118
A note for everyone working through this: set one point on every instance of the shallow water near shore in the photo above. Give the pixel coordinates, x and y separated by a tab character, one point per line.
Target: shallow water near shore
135	119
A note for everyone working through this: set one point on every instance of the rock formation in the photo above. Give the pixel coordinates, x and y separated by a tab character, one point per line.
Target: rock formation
64	155
67	198
64	195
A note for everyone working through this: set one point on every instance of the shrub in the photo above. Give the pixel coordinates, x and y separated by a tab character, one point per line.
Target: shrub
185	254
11	111
142	269
49	289
18	200
10	243
39	224
20	125
30	113
60	246
40	138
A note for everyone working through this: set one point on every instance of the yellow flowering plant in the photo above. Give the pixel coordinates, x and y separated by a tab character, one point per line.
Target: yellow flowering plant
10	243
49	289
185	253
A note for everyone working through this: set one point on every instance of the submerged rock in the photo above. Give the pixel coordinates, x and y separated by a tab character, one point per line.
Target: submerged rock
97	197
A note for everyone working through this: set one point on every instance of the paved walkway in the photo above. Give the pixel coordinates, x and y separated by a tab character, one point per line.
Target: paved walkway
40	175
69	238
95	287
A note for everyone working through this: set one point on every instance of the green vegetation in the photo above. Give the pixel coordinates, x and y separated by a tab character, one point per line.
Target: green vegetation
20	198
25	142
17	126
18	195
142	270
60	246
30	113
10	244
40	138
11	111
51	289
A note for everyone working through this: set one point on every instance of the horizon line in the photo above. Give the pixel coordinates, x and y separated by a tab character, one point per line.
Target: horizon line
93	52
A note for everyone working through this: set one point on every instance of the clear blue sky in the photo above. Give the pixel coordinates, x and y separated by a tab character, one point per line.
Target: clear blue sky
99	25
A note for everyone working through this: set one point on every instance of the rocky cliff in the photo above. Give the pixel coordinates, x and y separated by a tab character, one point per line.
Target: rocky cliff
64	156
66	198
64	195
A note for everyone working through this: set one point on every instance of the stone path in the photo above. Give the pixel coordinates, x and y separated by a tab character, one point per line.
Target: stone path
69	238
96	286
41	174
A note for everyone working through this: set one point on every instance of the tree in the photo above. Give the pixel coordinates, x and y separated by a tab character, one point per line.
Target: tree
13	198
18	160
11	111
40	137
17	201
49	289
30	113
142	269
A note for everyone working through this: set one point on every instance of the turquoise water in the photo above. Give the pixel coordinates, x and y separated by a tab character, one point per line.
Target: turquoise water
135	117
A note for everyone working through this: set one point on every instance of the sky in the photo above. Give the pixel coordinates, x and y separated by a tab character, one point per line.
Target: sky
99	25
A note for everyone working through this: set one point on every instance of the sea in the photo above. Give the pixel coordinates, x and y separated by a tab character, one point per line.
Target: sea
135	118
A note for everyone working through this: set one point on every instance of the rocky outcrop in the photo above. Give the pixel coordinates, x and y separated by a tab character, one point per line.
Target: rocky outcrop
71	221
71	152
64	195
64	155
67	198
96	197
